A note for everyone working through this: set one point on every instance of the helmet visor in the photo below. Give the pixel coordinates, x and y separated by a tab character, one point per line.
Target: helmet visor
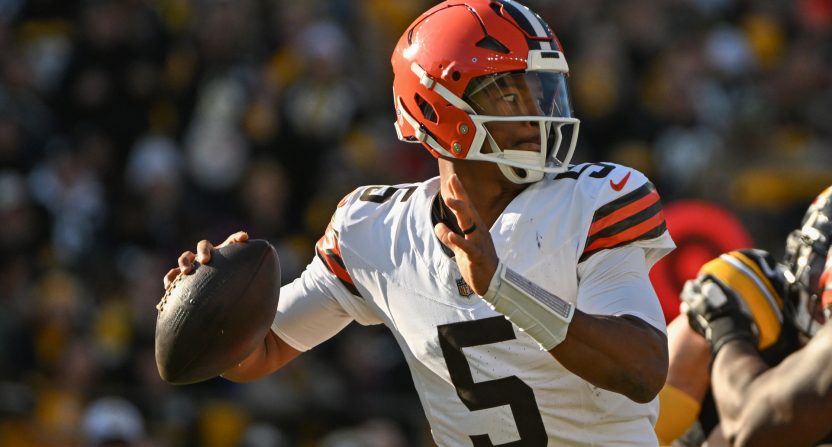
535	93
519	119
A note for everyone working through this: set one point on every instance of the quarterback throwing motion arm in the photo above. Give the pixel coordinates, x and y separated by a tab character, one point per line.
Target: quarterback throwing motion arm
267	357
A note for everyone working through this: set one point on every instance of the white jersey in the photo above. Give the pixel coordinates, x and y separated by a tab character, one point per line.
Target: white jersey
588	235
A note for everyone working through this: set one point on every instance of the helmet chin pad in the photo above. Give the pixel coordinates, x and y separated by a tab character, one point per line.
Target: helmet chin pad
521	175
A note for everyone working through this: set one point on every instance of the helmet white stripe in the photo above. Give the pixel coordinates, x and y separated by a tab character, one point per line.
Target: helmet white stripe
533	20
431	84
754	278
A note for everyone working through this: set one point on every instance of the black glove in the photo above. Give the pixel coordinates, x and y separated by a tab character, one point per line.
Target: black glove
786	344
714	312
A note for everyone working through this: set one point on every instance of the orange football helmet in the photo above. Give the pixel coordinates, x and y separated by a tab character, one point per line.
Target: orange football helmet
465	64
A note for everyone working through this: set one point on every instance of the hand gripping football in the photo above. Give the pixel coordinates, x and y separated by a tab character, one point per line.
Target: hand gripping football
214	317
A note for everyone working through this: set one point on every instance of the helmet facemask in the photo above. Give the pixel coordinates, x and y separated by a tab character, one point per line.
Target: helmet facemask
802	281
527	112
807	249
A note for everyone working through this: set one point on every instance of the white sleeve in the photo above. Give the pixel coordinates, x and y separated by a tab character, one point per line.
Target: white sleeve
616	282
309	310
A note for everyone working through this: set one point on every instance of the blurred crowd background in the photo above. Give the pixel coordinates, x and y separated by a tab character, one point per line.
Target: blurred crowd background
131	129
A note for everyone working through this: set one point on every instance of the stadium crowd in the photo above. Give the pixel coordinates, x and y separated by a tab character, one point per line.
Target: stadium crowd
130	129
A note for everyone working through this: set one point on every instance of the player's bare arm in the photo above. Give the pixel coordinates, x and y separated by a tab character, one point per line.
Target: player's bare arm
621	354
790	404
769	387
273	353
688	379
738	294
689	356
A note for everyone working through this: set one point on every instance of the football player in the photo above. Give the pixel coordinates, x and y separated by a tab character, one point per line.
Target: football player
515	283
763	325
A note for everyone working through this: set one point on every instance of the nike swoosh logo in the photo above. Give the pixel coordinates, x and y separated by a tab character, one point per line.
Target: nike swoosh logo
620	185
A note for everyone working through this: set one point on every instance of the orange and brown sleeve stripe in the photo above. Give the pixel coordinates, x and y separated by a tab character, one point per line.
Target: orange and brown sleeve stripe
329	252
635	216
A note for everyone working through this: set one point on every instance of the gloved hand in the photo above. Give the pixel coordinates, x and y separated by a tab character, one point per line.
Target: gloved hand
715	312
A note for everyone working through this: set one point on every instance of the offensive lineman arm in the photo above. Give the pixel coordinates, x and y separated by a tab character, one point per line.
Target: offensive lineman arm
790	404
689	359
623	354
688	379
269	356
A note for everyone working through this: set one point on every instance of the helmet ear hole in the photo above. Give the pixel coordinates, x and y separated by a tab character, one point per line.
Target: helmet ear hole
428	112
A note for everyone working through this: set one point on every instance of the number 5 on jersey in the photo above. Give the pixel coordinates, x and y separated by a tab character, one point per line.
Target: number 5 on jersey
509	391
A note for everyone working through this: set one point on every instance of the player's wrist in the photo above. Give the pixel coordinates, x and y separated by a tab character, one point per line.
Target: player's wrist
539	313
490	295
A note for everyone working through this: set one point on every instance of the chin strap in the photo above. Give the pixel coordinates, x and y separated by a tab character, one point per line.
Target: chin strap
512	173
529	175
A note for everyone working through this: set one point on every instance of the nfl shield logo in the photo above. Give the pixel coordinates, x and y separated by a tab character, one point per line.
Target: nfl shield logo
464	288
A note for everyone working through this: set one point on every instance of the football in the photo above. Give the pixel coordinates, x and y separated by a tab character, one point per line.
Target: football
212	318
